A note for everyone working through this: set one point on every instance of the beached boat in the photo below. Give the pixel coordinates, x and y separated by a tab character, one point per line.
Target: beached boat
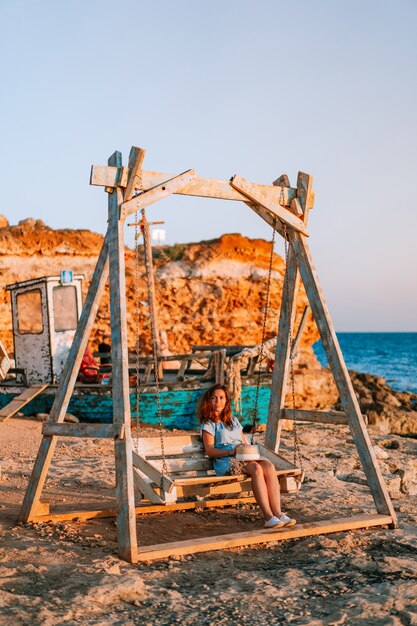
45	313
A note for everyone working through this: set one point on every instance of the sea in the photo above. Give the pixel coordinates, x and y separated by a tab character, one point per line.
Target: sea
390	355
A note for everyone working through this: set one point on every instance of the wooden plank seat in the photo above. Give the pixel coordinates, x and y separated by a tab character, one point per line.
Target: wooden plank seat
189	472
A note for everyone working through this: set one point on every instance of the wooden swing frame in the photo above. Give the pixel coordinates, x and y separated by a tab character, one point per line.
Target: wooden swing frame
277	204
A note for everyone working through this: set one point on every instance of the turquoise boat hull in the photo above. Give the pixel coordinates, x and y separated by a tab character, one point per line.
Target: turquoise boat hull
178	407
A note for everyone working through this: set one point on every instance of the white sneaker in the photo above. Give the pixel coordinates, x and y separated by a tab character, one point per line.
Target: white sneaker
274	522
287	521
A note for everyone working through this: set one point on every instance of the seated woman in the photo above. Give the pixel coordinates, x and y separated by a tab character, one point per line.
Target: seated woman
222	432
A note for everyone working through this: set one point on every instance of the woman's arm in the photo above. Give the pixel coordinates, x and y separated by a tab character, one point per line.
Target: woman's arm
212	451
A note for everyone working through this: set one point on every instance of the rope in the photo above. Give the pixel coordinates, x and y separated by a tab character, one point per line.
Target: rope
234	380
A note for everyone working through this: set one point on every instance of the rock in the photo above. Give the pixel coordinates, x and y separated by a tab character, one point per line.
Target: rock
380	453
71	418
42	417
4	222
29	221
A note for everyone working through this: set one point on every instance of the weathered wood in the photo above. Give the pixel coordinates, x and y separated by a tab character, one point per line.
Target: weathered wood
268	217
300	330
201	187
134	182
341	376
144	486
286	324
266	199
150	196
305	193
173	444
152	472
282	353
42	509
66	384
20	401
184	464
126	521
282	465
142	509
318	417
282	180
95	431
253	537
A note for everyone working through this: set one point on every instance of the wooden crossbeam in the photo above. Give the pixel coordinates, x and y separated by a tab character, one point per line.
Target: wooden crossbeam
156	193
20	401
142	509
95	431
318	417
253	537
152	472
105	176
267	199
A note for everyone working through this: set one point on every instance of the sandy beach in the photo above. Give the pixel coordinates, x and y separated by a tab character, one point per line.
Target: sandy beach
69	572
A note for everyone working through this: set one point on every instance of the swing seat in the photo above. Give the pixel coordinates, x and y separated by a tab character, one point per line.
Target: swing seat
189	472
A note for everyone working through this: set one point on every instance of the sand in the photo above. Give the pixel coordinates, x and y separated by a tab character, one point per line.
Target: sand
69	573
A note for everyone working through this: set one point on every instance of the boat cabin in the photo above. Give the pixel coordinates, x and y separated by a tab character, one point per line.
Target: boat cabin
45	314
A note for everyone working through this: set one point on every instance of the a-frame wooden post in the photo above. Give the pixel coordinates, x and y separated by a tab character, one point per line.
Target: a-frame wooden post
66	385
286	323
341	376
126	517
302	261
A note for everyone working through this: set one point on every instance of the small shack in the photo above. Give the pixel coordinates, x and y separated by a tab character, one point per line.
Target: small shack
45	314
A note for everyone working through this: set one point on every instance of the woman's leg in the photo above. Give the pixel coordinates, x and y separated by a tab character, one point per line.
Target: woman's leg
272	486
259	487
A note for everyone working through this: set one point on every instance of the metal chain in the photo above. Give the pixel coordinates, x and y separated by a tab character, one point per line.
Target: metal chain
265	319
297	452
136	414
148	267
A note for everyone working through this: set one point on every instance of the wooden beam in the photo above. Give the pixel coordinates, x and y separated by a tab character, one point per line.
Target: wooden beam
152	472
142	509
267	199
156	193
134	182
126	521
95	431
300	331
66	384
253	537
341	376
268	217
202	187
21	400
318	417
282	353
286	323
143	485
305	193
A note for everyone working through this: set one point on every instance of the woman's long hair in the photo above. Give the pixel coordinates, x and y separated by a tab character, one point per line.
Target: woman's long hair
206	411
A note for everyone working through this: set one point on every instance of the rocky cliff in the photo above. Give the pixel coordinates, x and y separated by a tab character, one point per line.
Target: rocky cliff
208	293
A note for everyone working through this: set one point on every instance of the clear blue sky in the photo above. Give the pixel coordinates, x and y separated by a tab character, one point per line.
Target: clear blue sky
251	87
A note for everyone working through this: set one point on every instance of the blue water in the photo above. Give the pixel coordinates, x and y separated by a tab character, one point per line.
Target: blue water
390	355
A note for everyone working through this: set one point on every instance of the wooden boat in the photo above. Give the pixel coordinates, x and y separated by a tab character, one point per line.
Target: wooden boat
180	391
